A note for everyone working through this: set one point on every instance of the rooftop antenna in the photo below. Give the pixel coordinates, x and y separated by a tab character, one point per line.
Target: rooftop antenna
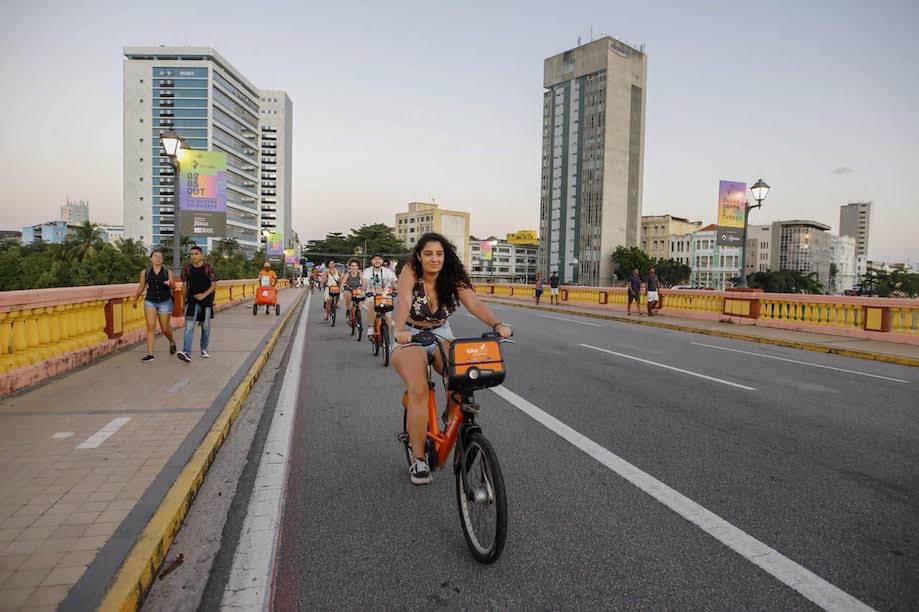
591	33
579	41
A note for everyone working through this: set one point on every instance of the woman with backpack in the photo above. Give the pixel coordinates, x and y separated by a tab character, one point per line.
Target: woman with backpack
158	283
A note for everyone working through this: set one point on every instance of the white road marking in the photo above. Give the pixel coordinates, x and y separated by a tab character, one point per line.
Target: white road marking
669	367
807	363
799	578
61	435
508	323
105	433
570	320
249	584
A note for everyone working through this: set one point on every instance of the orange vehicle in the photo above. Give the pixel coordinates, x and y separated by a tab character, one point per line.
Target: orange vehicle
382	303
266	296
473	364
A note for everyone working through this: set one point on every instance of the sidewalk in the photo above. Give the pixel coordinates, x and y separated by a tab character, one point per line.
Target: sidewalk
903	354
88	457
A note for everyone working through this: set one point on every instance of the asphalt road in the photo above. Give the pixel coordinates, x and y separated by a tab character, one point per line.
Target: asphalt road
815	456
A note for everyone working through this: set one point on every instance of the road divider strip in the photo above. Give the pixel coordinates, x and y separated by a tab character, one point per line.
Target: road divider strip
139	569
670	367
250	582
790	573
807	363
806	346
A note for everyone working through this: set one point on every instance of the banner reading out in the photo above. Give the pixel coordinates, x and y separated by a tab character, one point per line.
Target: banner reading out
732	198
290	256
275	244
485	251
203	193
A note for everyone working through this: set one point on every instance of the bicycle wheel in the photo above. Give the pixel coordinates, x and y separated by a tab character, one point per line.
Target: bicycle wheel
483	506
358	322
351	324
375	341
333	309
384	339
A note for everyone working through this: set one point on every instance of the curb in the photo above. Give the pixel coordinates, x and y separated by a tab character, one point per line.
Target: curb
136	574
807	346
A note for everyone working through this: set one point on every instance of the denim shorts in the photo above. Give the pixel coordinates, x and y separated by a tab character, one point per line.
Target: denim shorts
160	307
443	331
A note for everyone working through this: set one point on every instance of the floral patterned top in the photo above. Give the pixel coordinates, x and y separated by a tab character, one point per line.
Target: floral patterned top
421	310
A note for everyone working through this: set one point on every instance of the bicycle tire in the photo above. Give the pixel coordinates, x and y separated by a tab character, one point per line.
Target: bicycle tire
486	544
358	323
384	337
352	324
375	344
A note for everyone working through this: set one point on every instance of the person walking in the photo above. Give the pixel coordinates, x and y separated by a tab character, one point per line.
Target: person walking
269	278
553	288
539	288
634	293
198	285
653	296
157	281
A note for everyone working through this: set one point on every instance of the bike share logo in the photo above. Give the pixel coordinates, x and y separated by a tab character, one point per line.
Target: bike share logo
478	353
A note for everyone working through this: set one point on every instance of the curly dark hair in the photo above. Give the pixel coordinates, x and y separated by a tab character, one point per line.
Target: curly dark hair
452	276
354	260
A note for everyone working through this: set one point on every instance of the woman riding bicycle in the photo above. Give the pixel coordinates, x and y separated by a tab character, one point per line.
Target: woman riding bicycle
351	281
439	284
330	278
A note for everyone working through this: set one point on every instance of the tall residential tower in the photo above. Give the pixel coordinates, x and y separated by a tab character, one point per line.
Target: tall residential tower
277	150
212	106
592	158
855	221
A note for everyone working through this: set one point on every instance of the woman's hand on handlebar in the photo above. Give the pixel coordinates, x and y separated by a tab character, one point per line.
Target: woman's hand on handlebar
403	337
504	331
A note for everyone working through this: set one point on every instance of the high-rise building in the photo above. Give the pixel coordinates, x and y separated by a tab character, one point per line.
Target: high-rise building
212	106
75	213
593	130
657	229
277	149
424	217
803	246
855	220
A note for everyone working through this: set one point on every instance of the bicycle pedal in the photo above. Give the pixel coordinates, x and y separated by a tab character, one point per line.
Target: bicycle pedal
403	438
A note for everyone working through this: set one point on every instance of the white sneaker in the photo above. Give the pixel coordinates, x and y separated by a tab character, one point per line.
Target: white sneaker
420	473
205	354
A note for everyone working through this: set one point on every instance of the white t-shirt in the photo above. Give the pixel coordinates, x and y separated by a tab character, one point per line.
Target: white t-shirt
379	279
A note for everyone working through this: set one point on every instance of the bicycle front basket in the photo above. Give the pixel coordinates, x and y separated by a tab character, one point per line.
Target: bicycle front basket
475	363
382	302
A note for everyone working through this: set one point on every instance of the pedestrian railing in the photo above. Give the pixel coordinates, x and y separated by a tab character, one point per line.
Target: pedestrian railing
881	318
43	324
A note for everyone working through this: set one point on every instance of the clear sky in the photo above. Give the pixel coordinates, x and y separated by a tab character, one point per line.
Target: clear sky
402	101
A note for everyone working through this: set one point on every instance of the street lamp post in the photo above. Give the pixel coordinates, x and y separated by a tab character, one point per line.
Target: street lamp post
172	142
759	191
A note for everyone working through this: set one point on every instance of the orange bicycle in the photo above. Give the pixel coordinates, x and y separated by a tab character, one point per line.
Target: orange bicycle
354	317
382	303
473	364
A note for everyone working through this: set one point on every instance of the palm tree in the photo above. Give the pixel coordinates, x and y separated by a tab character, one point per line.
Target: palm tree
84	241
130	247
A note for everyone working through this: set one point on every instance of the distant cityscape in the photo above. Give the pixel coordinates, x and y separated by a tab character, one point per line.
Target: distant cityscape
592	168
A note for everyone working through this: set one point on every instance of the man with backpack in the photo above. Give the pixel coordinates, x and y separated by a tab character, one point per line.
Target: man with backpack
198	285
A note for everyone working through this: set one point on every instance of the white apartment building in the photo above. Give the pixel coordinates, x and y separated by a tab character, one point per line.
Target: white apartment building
680	248
75	213
713	266
423	217
276	115
212	106
593	132
510	263
759	248
842	254
656	231
112	233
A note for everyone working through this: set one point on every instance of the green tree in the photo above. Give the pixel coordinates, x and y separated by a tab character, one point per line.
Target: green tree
375	238
672	272
84	241
626	259
786	281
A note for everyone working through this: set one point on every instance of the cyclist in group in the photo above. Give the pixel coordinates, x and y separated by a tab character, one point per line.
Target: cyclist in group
378	279
434	284
330	278
353	279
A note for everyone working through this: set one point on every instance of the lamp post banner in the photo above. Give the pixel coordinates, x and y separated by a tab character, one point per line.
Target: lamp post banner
290	256
731	210
203	193
485	250
275	244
